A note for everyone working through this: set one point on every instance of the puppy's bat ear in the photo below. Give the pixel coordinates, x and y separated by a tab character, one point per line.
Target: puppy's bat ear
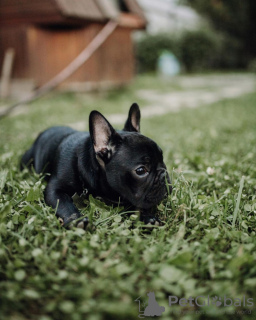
133	121
104	137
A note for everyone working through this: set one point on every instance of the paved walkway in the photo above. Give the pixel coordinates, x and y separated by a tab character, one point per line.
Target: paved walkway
192	92
195	91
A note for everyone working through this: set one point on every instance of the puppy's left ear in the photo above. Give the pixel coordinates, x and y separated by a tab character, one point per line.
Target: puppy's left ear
104	137
133	121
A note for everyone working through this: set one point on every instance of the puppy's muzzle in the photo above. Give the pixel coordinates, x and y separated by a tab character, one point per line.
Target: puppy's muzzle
164	179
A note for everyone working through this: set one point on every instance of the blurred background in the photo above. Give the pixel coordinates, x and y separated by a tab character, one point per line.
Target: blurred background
203	35
39	39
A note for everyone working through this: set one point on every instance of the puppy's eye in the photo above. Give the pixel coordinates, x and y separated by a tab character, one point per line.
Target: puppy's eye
141	171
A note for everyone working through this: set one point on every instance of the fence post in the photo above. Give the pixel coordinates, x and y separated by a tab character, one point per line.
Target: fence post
6	73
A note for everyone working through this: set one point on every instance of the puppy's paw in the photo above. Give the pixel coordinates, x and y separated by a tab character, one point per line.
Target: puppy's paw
82	224
76	222
152	220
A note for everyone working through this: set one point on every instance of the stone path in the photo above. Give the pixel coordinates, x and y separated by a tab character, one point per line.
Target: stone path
185	92
195	92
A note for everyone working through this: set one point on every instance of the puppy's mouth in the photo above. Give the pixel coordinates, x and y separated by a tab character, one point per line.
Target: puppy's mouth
159	190
156	196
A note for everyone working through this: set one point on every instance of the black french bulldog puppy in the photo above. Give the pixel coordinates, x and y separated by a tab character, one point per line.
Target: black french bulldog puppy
119	166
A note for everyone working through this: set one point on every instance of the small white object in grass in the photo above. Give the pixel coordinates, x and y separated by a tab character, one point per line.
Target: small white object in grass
20	275
84	261
31	220
62	274
81	225
22	242
210	171
134	217
37	252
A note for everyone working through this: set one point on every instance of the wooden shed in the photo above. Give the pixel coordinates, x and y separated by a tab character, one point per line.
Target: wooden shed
48	34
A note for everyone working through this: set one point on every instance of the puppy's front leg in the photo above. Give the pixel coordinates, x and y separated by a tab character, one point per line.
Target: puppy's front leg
66	209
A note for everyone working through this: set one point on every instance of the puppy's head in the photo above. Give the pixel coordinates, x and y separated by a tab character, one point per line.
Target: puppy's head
133	163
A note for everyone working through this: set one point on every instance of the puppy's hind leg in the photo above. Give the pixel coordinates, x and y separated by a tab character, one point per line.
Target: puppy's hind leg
27	159
67	212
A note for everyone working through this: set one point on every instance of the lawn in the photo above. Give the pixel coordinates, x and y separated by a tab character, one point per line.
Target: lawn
206	247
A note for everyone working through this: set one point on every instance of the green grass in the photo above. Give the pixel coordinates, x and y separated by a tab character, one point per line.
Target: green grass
206	247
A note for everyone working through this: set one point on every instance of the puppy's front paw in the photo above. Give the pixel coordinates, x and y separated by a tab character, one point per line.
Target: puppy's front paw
82	224
76	222
149	218
152	220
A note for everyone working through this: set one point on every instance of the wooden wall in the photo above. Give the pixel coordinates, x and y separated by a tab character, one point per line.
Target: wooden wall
13	37
26	11
43	52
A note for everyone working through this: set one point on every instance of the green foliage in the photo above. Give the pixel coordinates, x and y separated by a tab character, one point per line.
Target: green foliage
229	53
150	47
252	66
193	49
230	15
230	44
235	19
48	273
200	50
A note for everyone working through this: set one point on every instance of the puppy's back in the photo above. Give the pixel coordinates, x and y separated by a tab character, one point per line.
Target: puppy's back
43	152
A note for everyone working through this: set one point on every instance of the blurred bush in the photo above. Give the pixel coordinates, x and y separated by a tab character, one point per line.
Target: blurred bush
252	66
197	50
229	53
235	20
200	50
150	47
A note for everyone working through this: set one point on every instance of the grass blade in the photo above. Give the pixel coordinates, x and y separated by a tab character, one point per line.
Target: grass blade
238	202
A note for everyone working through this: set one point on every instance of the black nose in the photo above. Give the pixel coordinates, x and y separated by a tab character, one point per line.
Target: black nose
165	179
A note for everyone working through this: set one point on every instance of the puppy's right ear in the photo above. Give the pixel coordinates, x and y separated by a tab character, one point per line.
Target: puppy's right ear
133	121
104	137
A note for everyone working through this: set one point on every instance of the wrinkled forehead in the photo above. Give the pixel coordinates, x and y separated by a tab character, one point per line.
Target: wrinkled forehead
138	147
